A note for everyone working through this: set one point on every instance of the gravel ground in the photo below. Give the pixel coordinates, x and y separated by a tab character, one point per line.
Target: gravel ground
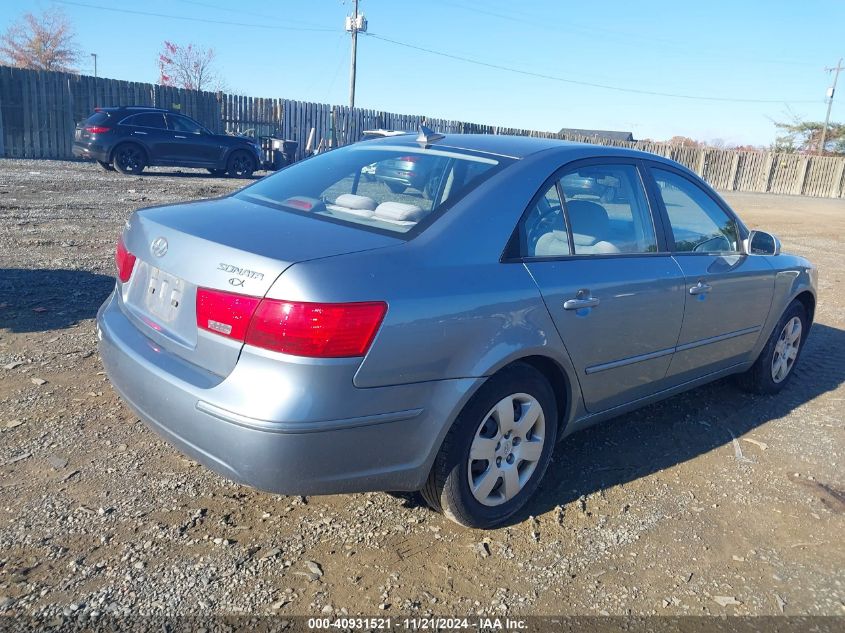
712	502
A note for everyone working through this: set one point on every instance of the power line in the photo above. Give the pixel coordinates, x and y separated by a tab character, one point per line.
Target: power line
246	12
529	73
679	47
195	19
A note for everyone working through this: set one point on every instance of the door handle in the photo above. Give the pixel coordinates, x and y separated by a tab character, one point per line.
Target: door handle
136	132
177	136
700	288
577	304
583	299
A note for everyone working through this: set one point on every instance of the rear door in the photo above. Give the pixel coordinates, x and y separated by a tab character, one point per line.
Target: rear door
190	143
728	294
616	296
150	130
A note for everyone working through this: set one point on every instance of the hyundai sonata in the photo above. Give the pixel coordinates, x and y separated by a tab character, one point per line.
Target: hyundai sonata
322	332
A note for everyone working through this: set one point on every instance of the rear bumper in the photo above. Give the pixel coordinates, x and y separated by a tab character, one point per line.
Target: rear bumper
282	427
90	151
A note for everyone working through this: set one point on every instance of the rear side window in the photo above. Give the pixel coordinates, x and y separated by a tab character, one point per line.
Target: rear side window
608	210
147	119
98	118
699	224
384	188
544	227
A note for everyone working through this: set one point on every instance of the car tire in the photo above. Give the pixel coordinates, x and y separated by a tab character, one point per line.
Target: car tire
217	172
484	427
240	165
129	159
775	366
106	166
396	187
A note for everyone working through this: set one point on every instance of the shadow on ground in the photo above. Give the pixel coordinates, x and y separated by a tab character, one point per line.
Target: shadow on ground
681	428
41	300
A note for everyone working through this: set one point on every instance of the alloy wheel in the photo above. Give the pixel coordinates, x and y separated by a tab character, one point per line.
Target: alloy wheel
506	449
786	349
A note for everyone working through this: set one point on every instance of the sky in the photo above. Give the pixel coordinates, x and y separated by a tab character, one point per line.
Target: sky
536	64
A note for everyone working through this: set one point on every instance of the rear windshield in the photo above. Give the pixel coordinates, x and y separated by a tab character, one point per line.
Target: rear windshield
384	188
98	118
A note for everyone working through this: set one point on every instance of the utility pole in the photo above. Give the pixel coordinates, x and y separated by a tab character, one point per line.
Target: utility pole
356	22
94	55
830	92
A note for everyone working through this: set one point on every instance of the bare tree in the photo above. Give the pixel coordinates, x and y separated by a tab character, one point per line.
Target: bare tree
188	67
42	42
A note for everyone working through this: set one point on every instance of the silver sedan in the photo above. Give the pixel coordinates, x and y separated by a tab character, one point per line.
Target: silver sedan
322	332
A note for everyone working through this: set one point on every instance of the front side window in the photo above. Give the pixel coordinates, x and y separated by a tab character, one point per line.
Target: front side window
183	124
699	224
608	210
148	119
384	188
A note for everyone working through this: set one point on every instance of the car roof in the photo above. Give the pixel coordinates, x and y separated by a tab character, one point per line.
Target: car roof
515	146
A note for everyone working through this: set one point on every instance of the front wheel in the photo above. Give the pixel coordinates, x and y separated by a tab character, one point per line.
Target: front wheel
774	367
497	451
241	165
129	159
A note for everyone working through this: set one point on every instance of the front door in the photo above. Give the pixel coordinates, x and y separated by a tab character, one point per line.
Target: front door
190	143
616	298
728	294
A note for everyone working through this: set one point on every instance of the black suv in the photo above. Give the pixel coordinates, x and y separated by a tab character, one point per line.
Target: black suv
130	138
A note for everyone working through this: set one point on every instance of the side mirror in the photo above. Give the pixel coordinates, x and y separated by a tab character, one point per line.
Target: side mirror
762	243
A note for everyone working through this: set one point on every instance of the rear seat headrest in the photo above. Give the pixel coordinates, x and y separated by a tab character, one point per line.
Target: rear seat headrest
353	201
399	212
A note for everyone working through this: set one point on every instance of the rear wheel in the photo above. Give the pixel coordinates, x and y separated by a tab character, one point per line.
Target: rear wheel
774	367
241	165
496	452
106	166
129	158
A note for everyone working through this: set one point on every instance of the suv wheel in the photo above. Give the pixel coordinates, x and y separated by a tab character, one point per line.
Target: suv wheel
240	165
497	451
129	158
774	367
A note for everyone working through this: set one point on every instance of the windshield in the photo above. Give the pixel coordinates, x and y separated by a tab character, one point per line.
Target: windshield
385	188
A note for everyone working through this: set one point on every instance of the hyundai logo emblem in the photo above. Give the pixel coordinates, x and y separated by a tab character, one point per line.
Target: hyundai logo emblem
159	247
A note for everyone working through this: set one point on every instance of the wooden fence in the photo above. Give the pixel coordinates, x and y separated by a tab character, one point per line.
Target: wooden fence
39	112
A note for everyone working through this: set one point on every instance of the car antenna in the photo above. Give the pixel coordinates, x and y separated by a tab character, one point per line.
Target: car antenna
428	136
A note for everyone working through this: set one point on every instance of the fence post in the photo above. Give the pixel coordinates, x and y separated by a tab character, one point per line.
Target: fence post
701	163
766	173
733	172
801	177
838	189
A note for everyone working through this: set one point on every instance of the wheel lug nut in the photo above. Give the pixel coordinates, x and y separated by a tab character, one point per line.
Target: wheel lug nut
498	461
510	458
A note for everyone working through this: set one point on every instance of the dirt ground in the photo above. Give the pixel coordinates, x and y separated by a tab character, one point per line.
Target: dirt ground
712	502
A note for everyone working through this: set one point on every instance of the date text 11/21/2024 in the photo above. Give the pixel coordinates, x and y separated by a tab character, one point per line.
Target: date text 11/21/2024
417	624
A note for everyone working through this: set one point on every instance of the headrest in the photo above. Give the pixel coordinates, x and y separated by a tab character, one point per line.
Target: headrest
399	212
352	201
587	218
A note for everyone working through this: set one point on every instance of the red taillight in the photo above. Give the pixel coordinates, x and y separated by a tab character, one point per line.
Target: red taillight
225	313
124	260
322	330
97	129
319	330
409	159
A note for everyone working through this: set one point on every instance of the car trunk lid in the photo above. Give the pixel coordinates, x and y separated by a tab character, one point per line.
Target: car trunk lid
227	244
